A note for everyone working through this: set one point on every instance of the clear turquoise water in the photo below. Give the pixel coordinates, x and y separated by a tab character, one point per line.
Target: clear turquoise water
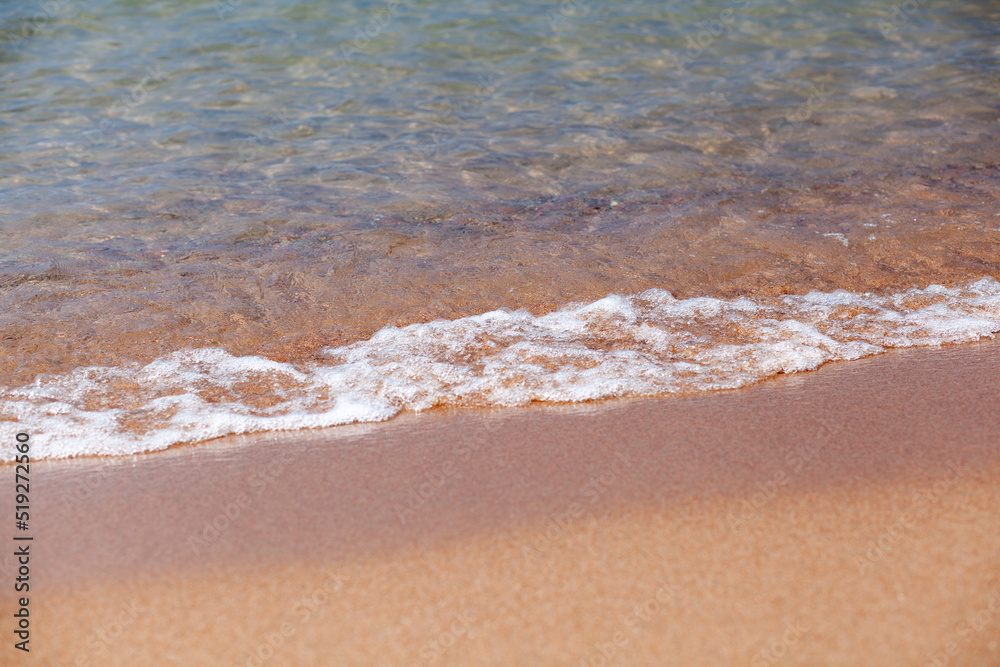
116	105
201	201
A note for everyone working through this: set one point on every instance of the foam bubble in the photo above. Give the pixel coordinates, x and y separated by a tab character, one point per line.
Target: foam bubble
641	345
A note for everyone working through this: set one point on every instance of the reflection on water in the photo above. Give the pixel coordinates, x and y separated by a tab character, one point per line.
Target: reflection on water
276	175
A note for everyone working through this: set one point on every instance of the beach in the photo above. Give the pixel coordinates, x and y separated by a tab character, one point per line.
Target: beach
415	333
843	516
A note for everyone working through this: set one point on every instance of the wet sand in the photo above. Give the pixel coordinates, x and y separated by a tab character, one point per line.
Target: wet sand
845	516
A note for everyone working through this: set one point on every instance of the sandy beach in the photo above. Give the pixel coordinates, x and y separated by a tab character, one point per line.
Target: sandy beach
845	516
411	334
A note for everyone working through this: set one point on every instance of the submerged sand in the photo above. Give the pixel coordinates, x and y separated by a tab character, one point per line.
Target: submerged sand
845	516
256	278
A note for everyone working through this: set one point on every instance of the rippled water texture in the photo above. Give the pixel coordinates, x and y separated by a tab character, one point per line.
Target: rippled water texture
275	177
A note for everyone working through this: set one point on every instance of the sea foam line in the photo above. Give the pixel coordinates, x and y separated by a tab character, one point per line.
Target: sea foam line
646	344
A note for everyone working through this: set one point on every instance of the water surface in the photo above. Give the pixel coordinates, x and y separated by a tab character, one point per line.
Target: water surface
279	178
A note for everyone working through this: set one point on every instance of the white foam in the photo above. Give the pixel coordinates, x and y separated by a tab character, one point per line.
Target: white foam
642	345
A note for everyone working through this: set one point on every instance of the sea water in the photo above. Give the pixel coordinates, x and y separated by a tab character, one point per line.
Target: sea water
237	215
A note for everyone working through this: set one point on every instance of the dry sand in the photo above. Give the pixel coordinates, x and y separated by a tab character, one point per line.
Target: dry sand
849	516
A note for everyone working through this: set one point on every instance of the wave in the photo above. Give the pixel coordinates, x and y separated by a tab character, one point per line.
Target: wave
647	344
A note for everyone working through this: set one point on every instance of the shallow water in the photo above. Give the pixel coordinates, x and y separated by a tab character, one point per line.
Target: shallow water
648	344
277	178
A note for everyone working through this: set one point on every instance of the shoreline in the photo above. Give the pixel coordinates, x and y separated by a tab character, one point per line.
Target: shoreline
858	501
642	345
